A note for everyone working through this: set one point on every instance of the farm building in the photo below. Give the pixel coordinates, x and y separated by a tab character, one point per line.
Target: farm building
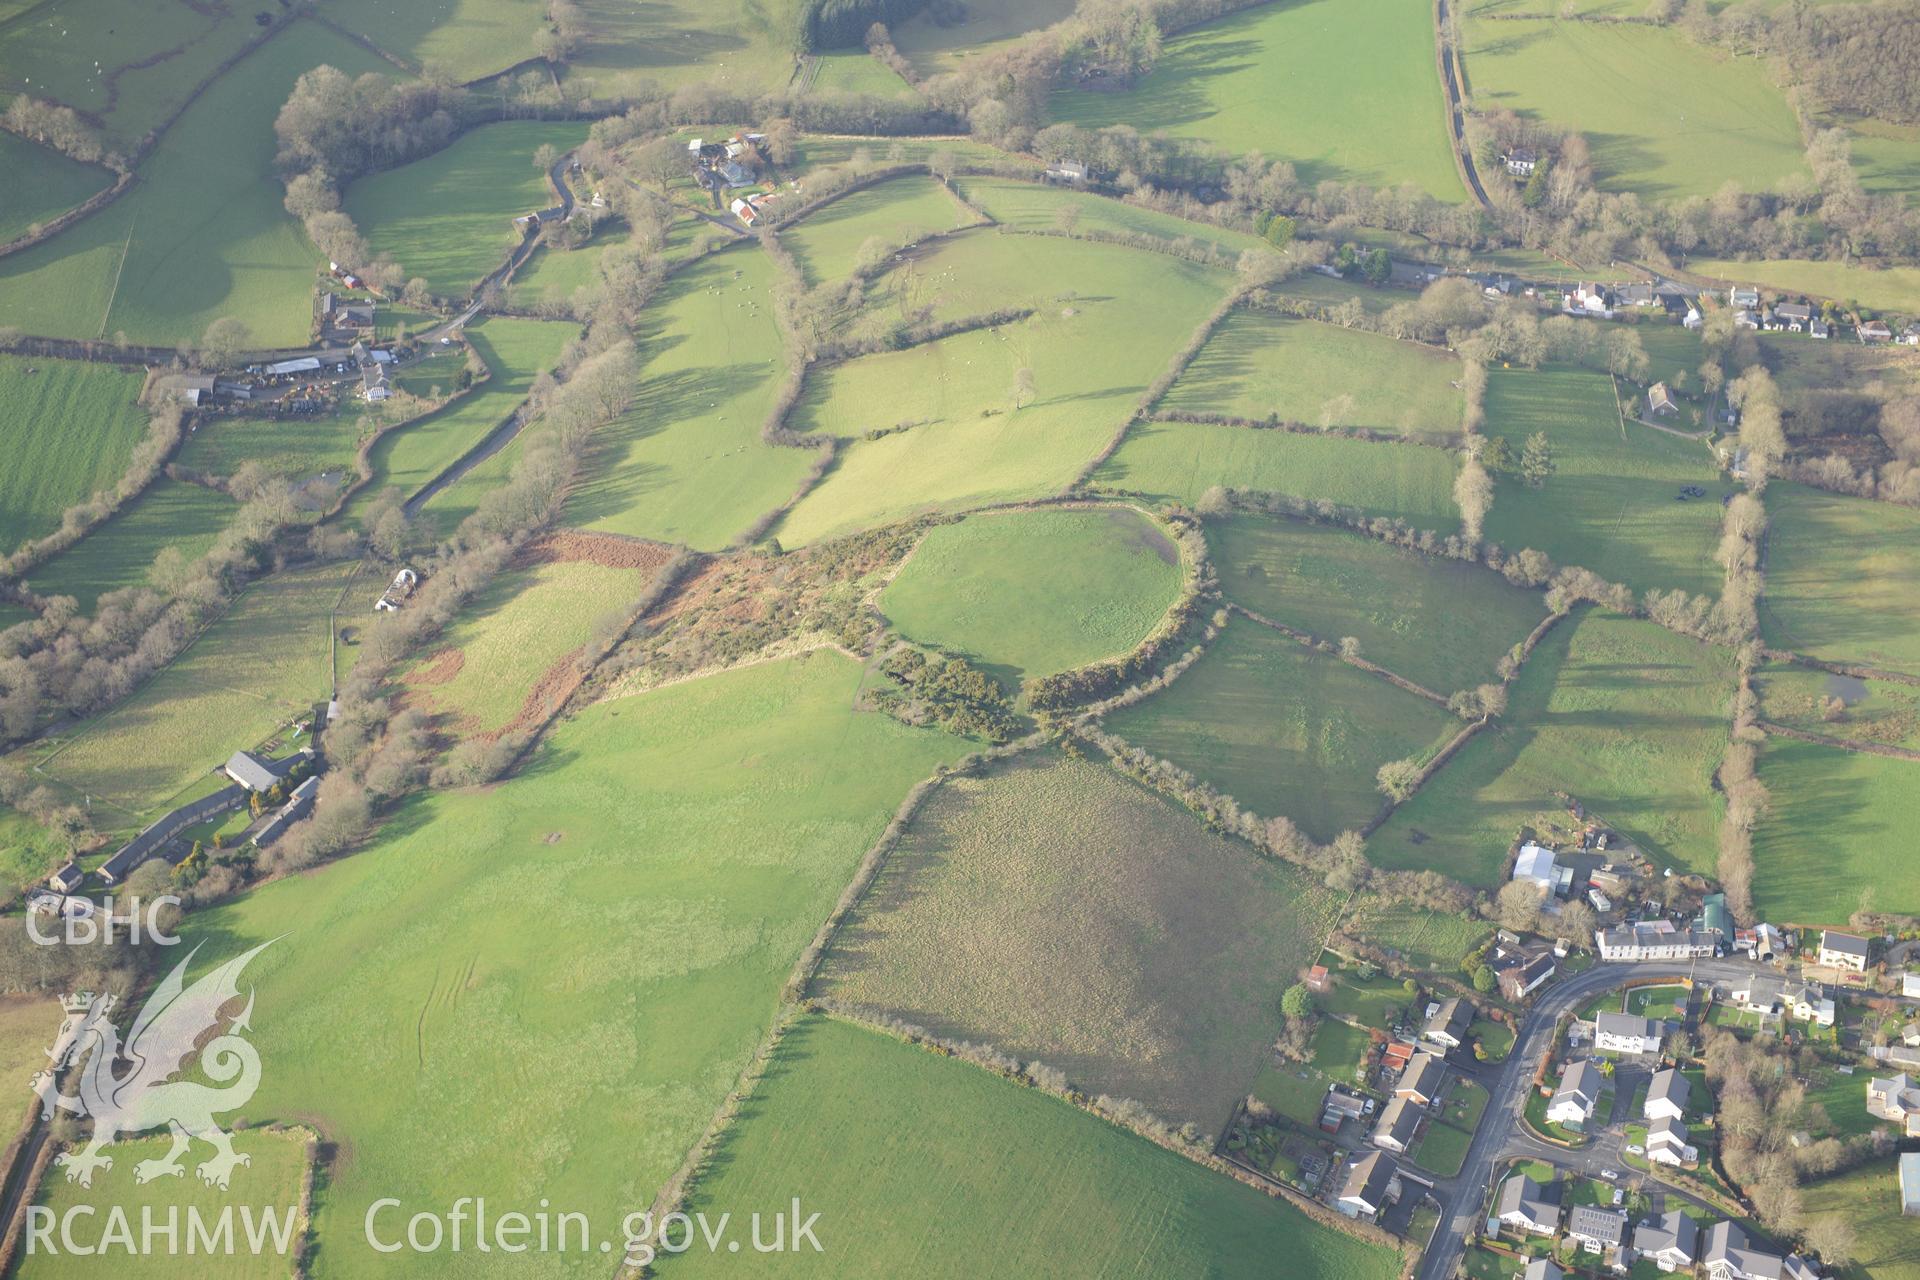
1660	400
298	805
1910	1183
67	878
397	591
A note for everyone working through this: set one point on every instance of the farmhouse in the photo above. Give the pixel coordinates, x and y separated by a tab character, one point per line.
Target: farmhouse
1660	400
68	878
1521	161
1654	940
1579	1092
1069	172
1667	1096
297	807
1667	1143
1672	1240
1373	1183
373	383
1529	1207
1398	1125
1910	1183
1626	1033
1448	1023
1843	951
1420	1082
1597	1230
1875	331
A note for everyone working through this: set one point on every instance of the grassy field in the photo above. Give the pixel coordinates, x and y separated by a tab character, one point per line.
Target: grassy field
687	464
926	1166
28	852
1840	576
1885	1244
933	46
678	849
1876	710
271	1183
467	38
744	46
408	458
1284	730
203	235
1258	365
513	633
1108	319
449	217
1674	120
1625	717
1036	206
126	63
1167	946
827	243
1029	593
858	72
1298	1091
48	184
1831	843
1440	623
1182	460
1611	504
67	432
1894	289
171	513
553	274
264	662
1429	939
1283	80
295	447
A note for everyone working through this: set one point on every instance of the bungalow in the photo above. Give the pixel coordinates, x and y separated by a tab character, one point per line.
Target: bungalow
1743	296
1654	940
1529	1207
1910	1184
1398	1126
1597	1230
1590	299
1843	951
1660	400
1373	1183
1448	1023
1667	1143
1875	331
1730	1255
1819	328
1635	295
68	878
1795	315
1667	1096
1420	1082
1626	1033
1522	161
1672	1240
1579	1092
1758	993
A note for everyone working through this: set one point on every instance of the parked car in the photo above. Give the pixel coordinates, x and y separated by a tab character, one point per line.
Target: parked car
1635	1149
1611	1175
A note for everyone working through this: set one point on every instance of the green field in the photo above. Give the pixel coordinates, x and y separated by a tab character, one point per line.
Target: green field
1299	1091
1886	1245
1108	320
740	45
1166	947
1285	80
1665	117
28	851
687	463
203	235
858	73
450	216
263	663
1840	578
553	275
1285	731
1260	365
1443	624
678	849
1029	593
408	458
935	44
524	624
119	552
1895	289
126	63
1611	506
466	38
46	184
1625	717
827	243
1832	842
271	1183
1880	711
1429	939
67	433
296	447
1036	206
1182	460
926	1166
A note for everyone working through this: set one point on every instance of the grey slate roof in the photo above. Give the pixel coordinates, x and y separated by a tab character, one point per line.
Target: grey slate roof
1543	1269
1844	943
1673	1232
1623	1024
250	771
1535	1203
1399	1120
1582	1078
1608	1226
1671	1086
1422	1075
1367	1180
1453	1017
1727	1245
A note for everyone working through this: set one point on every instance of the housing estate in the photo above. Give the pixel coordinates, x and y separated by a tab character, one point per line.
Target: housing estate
1597	1230
1528	1206
1667	1096
1573	1102
1421	1080
1399	1124
1672	1240
1729	1254
1626	1033
1373	1183
1449	1023
1667	1143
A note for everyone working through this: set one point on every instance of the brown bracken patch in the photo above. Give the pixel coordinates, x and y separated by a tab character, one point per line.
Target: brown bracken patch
440	668
604	549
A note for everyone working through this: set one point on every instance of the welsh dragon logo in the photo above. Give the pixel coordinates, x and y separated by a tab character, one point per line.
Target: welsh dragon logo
128	1087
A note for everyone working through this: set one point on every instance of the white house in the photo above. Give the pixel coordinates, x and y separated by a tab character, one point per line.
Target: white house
1667	1143
1667	1096
1672	1240
1579	1092
1373	1183
1528	1207
1597	1230
1910	984
1398	1126
1843	951
1654	940
1626	1033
